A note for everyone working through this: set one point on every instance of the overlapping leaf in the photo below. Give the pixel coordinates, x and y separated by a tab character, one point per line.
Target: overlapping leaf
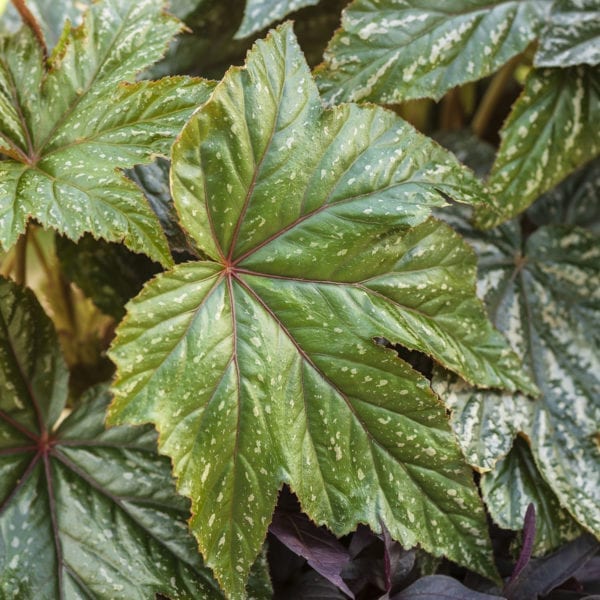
84	512
260	368
68	124
550	132
512	485
261	13
51	16
543	292
388	51
572	35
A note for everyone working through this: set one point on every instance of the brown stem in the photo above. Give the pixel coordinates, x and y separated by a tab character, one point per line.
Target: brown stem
31	22
20	265
492	96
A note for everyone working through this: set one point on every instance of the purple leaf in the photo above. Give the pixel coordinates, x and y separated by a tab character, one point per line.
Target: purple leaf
319	547
440	587
528	539
541	576
398	561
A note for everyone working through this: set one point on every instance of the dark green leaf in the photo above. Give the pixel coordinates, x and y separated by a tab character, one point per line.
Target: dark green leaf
154	181
543	292
572	35
107	273
573	202
513	484
68	125
84	512
388	51
260	368
551	131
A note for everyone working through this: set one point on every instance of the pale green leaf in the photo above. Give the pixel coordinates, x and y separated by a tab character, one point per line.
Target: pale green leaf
551	131
388	51
572	35
69	125
84	512
261	368
258	14
543	292
512	485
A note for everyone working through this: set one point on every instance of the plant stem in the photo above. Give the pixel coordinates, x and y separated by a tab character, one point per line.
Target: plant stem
492	96
20	263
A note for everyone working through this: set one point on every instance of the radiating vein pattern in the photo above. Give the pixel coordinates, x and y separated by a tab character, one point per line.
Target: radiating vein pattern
260	368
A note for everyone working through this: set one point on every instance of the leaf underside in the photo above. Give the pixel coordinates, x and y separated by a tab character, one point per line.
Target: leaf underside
389	52
84	512
68	125
543	293
260	368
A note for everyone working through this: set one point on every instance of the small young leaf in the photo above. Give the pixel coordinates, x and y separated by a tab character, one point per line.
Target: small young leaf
66	126
260	368
551	131
261	13
572	35
388	51
543	293
323	552
84	512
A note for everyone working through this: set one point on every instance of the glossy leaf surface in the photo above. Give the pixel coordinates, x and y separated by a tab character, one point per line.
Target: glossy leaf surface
550	132
84	512
260	368
572	35
67	125
543	293
388	51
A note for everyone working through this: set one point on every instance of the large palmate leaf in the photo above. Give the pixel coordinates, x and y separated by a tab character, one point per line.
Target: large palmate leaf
389	51
84	512
66	125
258	14
572	35
544	293
551	131
260	368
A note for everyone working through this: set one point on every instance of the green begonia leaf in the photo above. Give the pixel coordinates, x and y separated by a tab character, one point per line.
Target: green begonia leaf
388	51
550	132
69	124
543	292
260	368
512	485
572	35
84	512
